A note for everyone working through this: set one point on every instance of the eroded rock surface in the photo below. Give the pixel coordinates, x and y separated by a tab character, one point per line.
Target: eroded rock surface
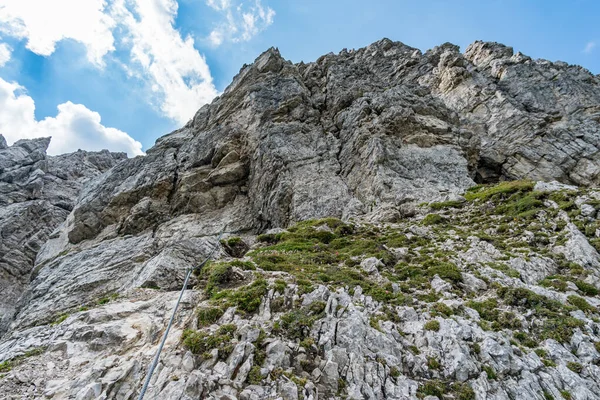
370	135
37	193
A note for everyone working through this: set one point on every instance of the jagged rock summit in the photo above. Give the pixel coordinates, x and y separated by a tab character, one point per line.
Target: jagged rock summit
417	282
380	125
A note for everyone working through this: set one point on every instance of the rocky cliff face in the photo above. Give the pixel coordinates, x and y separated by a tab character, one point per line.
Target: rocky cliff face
37	193
423	290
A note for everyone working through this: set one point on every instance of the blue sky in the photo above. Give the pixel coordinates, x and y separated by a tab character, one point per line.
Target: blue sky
118	74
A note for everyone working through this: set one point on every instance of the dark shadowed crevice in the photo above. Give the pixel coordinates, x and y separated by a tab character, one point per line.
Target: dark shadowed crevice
488	171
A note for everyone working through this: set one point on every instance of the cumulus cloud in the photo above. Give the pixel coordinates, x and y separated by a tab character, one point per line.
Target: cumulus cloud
589	47
44	23
74	127
172	69
241	22
177	73
5	51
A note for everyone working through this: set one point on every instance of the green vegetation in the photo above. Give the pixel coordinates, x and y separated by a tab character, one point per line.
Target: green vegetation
259	349
566	395
521	205
426	269
556	283
209	315
5	366
59	319
525	339
500	191
548	363
108	299
297	323
548	396
217	274
269	237
488	311
447	204
509	215
232	241
329	251
433	363
556	324
432	325
443	309
541	352
586	288
491	374
432	388
254	376
459	391
280	285
505	269
246	298
581	303
234	246
199	342
434	219
575	367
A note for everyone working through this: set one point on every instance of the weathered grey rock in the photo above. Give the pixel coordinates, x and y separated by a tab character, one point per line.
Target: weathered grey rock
370	265
440	285
366	134
579	250
37	192
553	186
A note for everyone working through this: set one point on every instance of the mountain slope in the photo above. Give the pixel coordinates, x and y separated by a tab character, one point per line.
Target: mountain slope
418	282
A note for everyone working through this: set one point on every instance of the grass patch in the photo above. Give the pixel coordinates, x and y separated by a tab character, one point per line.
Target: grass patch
491	373
499	191
581	303
438	388
505	269
297	323
5	366
575	367
433	219
432	325
108	299
247	298
209	315
254	376
59	319
586	288
446	204
199	342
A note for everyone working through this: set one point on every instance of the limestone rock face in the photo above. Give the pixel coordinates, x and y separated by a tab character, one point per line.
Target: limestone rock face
37	193
93	245
276	147
381	125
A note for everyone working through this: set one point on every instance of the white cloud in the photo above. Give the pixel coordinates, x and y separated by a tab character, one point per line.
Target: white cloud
215	38
44	23
589	47
219	5
5	52
242	22
74	127
174	69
